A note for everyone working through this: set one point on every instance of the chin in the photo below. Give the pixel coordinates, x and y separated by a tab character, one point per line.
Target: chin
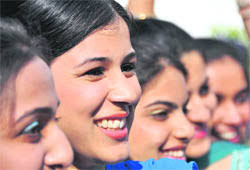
115	154
198	147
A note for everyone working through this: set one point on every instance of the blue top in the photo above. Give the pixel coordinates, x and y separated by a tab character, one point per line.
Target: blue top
151	164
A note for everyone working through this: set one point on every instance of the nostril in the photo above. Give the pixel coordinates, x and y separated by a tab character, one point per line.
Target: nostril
56	166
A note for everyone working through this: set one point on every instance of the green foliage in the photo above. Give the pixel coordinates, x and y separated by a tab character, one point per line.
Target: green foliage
231	33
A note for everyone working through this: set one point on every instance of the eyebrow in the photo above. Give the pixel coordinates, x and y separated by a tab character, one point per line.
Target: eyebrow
94	59
105	59
166	103
36	111
129	57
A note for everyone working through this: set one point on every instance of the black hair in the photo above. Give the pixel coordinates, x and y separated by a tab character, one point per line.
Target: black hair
154	50
65	23
213	49
17	49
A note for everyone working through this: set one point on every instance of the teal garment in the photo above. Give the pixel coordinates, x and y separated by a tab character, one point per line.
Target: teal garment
218	151
241	160
221	149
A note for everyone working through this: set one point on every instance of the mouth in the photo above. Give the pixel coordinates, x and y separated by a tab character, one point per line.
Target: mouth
113	126
231	136
200	131
175	153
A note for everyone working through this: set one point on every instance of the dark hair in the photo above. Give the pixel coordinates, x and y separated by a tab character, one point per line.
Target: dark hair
65	23
154	50
214	49
17	49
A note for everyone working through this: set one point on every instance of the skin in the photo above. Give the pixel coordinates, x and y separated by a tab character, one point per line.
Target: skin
29	141
230	86
97	81
152	134
201	103
244	10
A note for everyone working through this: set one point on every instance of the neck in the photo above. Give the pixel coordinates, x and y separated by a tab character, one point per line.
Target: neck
82	162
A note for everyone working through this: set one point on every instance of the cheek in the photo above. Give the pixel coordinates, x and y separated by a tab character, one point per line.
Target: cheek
244	110
81	97
151	134
217	115
21	156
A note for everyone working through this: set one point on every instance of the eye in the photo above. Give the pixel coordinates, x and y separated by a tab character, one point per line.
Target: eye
160	115
204	89
95	72
219	98
33	132
185	109
241	98
128	69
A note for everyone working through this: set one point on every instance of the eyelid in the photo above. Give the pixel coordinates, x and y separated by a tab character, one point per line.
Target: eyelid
155	112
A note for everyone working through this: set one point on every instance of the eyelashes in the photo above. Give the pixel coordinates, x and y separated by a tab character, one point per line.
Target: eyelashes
32	132
97	73
160	114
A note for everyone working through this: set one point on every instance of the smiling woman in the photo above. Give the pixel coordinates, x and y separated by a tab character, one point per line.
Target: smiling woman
160	128
28	104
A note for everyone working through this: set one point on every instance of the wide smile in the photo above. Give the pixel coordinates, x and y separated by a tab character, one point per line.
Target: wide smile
113	126
175	153
231	136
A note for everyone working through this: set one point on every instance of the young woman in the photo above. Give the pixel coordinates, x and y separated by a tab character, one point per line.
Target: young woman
160	128
93	66
227	70
29	136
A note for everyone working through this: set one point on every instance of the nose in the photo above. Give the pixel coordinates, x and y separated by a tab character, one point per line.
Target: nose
182	128
211	101
59	152
124	89
231	115
198	112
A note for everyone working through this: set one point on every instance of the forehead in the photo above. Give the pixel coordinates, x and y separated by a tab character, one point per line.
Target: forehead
168	85
111	41
226	75
195	66
34	87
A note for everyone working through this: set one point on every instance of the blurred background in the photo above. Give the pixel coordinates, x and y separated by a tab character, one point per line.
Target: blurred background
202	18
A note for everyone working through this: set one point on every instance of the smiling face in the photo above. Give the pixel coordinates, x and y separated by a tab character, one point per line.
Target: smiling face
227	79
97	86
201	103
160	128
29	138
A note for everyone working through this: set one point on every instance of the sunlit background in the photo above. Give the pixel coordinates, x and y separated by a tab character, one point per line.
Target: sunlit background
202	18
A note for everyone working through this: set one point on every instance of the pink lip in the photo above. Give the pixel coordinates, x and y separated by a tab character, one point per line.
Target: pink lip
175	148
200	132
116	134
114	116
236	139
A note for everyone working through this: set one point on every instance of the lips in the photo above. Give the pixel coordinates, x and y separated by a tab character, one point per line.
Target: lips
175	153
200	132
113	126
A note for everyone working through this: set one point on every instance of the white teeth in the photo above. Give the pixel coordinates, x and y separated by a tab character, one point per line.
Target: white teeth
116	124
178	154
112	124
228	135
104	123
122	123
